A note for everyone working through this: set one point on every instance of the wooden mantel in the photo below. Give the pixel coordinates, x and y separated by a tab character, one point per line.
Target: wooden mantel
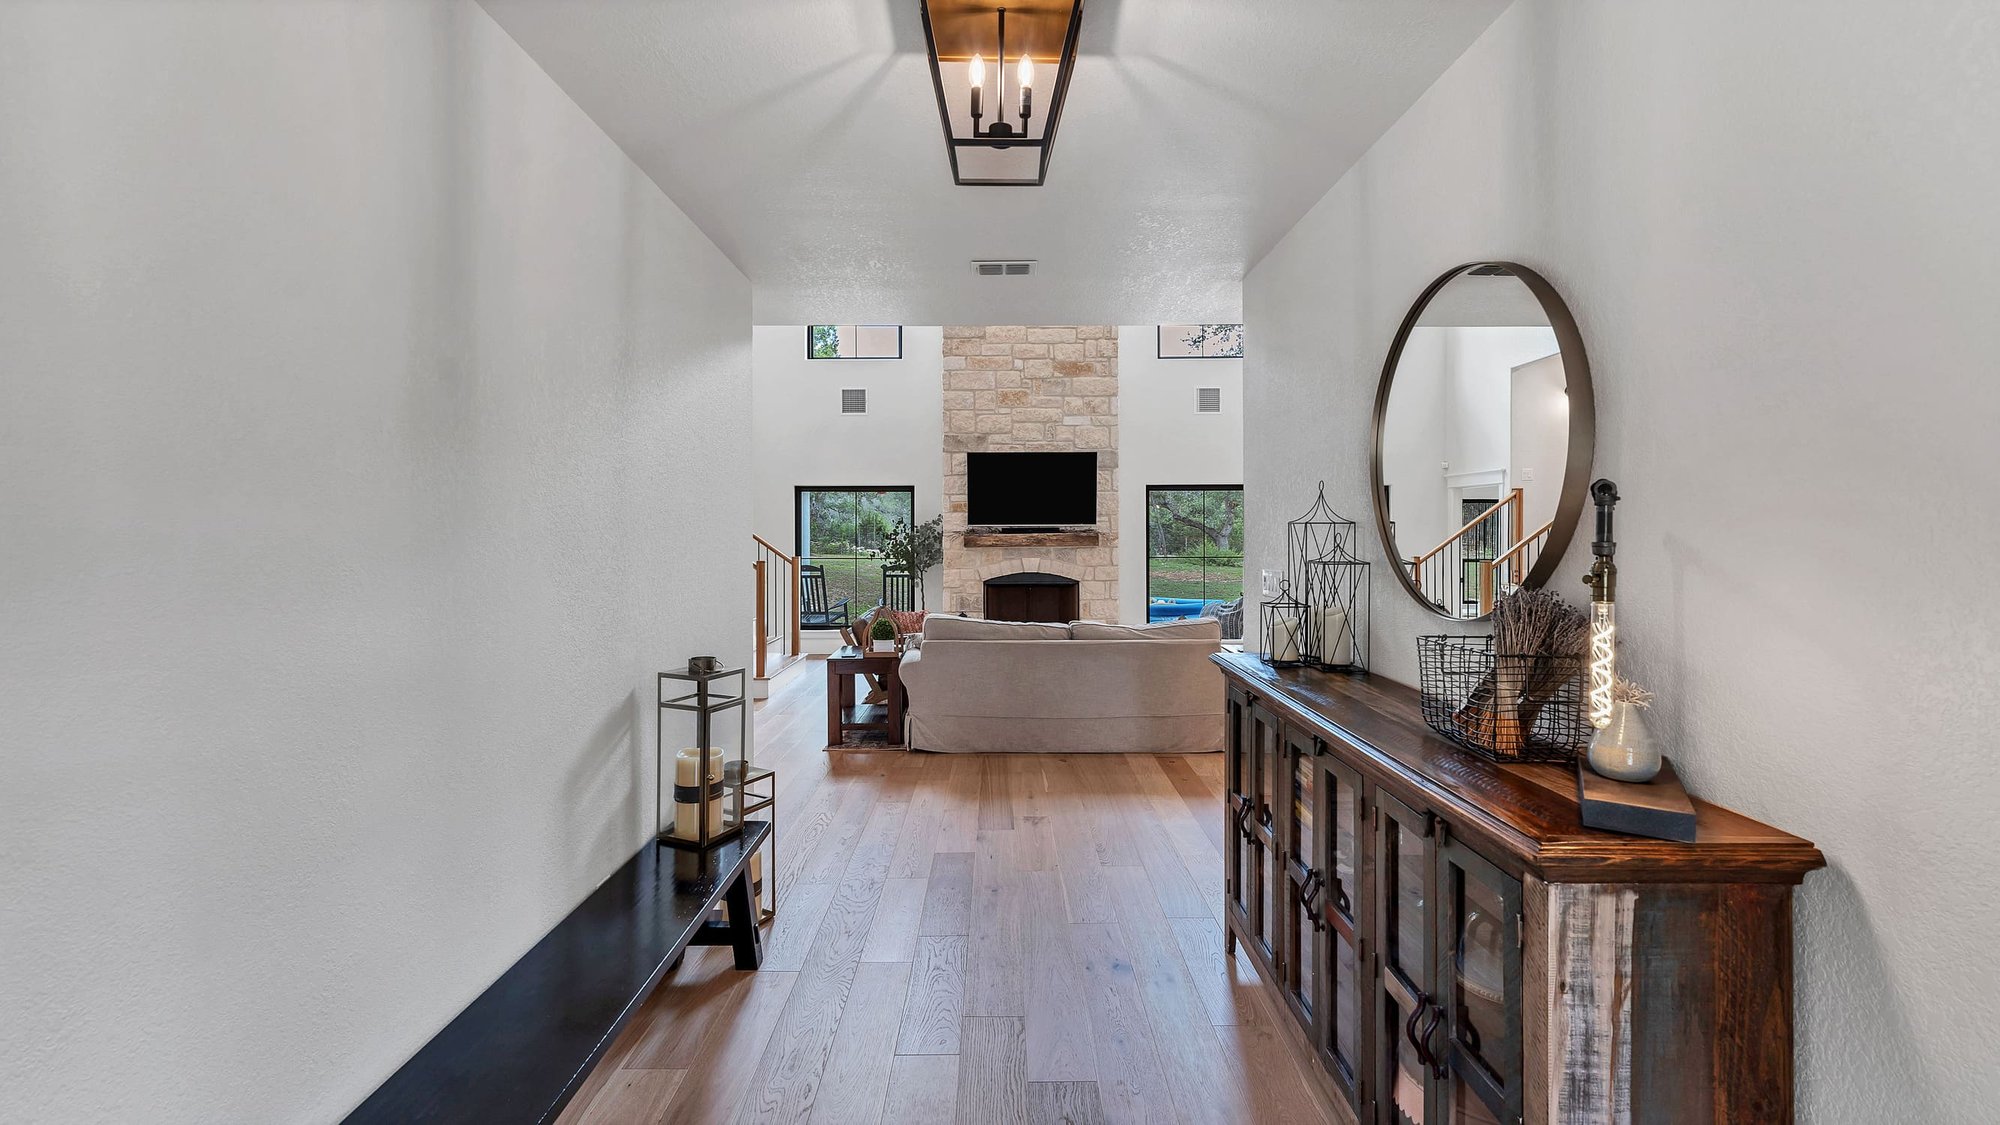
1031	539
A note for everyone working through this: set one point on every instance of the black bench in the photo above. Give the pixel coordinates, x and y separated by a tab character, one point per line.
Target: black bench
522	1049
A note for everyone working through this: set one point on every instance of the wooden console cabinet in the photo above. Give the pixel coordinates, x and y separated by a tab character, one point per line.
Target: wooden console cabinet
1460	950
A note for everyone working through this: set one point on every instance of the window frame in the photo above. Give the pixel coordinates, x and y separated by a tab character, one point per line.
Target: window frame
857	329
1160	345
1147	580
799	534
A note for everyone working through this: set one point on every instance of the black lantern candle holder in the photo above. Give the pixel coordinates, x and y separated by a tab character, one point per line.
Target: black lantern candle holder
1282	629
1321	533
707	779
1338	594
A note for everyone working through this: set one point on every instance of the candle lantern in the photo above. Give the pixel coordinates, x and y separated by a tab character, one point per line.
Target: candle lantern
1320	533
1337	600
1283	629
1322	567
700	786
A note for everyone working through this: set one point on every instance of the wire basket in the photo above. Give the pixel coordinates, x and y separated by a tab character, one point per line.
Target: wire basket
1504	707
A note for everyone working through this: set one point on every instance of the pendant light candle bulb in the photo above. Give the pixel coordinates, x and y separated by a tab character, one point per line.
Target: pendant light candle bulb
1603	658
1026	77
976	74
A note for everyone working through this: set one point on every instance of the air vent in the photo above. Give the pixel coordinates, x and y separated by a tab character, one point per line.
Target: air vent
1208	400
853	400
994	268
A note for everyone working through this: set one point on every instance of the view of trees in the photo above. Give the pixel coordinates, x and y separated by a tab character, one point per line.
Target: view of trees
1194	543
1204	341
847	531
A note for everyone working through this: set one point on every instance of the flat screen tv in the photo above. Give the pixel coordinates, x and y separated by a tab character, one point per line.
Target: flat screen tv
1031	489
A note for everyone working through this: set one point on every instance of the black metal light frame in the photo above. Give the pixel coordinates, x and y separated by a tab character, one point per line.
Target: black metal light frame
1046	142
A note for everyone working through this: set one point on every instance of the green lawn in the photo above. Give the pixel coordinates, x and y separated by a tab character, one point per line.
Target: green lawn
857	580
1207	579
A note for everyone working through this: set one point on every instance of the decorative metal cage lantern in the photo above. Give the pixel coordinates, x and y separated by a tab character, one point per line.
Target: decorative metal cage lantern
1001	72
1282	629
1338	594
707	778
1319	534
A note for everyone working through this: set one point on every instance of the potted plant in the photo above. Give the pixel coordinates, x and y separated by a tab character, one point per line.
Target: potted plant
882	635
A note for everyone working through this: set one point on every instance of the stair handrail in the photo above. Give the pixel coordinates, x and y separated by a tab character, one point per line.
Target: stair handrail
1516	560
1513	498
767	591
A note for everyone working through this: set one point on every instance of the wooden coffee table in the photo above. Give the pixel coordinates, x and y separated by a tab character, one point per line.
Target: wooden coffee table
843	714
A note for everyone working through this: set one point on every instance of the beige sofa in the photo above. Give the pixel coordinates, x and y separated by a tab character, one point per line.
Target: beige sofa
985	686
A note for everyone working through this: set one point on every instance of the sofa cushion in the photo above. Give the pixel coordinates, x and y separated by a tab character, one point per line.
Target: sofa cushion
1185	629
943	627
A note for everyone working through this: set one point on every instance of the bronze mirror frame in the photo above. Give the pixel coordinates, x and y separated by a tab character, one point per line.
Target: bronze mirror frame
1582	429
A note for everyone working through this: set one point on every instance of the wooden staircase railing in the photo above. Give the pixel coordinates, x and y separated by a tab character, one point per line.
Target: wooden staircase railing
1518	559
777	604
1437	570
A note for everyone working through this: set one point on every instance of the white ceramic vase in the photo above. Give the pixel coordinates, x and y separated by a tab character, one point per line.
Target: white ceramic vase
1625	750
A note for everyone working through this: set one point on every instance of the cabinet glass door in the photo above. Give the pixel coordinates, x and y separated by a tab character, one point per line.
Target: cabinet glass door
1304	879
1479	967
1267	747
1338	903
1406	870
1239	802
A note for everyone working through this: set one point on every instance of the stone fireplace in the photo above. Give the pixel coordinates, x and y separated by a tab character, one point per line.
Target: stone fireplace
1015	388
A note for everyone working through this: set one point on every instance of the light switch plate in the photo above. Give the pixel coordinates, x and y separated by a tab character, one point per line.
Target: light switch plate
1270	584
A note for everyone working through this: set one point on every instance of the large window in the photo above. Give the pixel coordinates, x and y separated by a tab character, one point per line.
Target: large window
1201	341
1194	548
842	531
854	341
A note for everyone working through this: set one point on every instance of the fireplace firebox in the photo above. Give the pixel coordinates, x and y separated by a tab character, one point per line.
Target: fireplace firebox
1031	596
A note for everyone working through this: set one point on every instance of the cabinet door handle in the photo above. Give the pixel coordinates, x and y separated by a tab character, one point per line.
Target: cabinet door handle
1420	1010
1437	1058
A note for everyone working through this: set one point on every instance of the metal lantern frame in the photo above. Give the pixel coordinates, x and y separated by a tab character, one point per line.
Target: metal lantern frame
1321	533
999	134
704	695
1273	612
1340	581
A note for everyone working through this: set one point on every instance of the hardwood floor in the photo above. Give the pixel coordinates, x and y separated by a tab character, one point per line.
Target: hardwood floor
976	938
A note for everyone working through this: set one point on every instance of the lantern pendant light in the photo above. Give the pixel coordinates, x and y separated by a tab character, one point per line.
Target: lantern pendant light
993	132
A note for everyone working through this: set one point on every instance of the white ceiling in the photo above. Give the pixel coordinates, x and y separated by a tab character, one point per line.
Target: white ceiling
803	137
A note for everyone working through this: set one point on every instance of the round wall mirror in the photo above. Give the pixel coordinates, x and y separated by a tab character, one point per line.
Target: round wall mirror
1484	428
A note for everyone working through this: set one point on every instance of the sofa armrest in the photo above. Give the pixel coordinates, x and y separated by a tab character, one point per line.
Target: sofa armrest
910	671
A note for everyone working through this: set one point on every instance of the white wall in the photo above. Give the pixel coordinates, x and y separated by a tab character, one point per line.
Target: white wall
801	437
1774	223
372	431
1478	388
1538	437
1161	440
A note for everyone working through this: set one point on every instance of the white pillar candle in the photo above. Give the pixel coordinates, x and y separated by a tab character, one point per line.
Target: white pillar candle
689	775
1336	640
1285	638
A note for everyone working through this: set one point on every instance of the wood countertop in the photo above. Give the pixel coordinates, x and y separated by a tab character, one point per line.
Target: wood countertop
1529	811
